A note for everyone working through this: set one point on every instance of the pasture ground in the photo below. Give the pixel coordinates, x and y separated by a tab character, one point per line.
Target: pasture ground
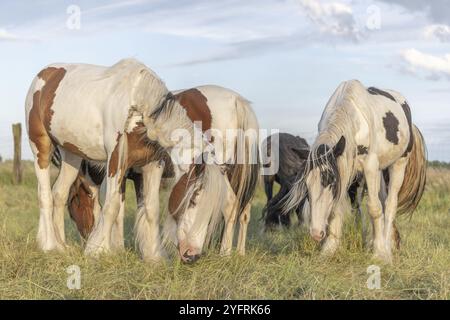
280	265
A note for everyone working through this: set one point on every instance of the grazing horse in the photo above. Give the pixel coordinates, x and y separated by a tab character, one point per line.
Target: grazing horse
228	111
127	118
293	152
98	113
231	129
362	130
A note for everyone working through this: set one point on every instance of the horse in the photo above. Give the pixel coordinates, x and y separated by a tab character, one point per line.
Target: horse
362	131
293	152
83	204
92	176
122	110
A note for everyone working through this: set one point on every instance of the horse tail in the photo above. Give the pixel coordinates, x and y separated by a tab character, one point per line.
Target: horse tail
270	212
56	158
244	173
415	175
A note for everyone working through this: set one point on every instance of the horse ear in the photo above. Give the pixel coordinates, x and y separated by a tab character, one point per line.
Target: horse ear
339	148
302	153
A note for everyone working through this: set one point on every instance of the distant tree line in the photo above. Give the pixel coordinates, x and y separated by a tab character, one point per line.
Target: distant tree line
439	164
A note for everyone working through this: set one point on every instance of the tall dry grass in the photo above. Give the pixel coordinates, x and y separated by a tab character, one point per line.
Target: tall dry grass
280	265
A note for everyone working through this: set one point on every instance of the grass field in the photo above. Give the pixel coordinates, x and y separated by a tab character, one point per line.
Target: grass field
281	265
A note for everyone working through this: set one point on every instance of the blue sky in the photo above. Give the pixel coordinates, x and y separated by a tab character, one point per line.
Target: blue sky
286	56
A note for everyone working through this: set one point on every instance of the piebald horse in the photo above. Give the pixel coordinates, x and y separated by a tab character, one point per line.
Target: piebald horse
362	130
123	116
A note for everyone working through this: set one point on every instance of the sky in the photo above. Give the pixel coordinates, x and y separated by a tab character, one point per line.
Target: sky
286	56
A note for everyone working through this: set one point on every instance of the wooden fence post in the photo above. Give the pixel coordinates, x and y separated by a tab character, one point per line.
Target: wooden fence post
17	165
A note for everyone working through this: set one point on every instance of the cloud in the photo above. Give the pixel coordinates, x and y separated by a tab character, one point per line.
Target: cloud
7	36
437	10
433	67
333	18
438	31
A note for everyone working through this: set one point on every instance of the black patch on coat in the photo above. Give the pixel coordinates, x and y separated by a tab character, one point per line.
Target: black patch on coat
390	123
362	150
407	112
376	91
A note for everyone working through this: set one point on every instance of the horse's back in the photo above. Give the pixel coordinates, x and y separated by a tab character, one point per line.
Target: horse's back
76	104
381	118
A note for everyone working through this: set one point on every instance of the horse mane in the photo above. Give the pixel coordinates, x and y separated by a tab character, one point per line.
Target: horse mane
171	115
337	124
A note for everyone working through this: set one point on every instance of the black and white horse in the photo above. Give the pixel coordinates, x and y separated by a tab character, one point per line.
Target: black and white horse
362	131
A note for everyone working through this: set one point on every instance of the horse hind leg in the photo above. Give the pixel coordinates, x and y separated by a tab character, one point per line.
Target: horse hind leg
46	237
375	207
229	214
396	175
244	219
70	166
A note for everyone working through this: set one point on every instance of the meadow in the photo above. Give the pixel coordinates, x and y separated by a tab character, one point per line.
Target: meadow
284	264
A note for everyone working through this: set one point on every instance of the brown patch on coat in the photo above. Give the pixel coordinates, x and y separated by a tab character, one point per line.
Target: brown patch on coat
195	104
113	164
40	115
74	149
81	206
179	190
142	151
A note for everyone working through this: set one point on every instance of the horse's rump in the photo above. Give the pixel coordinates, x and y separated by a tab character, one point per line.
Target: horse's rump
244	176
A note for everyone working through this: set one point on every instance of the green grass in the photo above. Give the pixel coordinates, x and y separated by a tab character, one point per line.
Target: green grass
280	265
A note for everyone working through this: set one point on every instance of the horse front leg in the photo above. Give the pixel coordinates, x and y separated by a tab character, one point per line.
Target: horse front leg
100	239
331	243
117	238
147	219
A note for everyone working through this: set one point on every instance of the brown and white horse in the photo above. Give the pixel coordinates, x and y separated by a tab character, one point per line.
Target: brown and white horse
100	114
242	178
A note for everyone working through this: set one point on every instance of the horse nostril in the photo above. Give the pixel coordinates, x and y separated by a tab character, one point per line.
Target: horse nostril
187	258
318	235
